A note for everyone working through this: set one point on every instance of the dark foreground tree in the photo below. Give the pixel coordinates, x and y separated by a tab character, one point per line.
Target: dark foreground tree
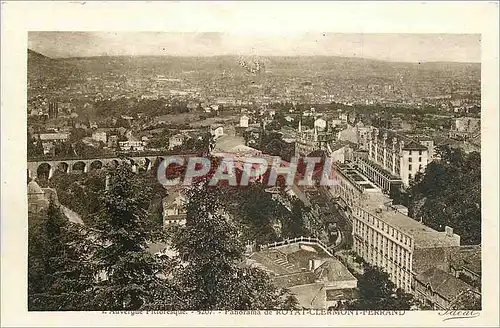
468	300
293	224
214	275
59	271
377	292
131	278
449	194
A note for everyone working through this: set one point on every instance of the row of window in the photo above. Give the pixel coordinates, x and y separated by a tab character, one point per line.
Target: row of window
379	224
400	276
380	149
385	248
410	159
410	167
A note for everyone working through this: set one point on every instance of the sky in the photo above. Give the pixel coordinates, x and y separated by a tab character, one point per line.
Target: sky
389	47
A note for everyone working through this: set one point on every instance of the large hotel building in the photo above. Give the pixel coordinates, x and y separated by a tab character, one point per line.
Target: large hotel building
401	157
386	237
383	233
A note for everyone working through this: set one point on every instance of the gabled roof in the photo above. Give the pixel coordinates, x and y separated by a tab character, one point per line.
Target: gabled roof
468	257
443	283
34	188
333	270
341	294
413	145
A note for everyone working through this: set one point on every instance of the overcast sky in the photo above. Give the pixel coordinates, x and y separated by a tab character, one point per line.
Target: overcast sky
391	47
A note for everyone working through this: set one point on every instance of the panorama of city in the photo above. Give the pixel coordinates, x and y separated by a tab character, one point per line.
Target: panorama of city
125	215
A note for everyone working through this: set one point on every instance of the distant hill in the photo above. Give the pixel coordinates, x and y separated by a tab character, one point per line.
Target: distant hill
33	55
37	61
229	70
47	72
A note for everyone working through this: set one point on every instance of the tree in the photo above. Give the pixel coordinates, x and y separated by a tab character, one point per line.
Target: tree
254	209
160	141
293	224
468	300
449	194
34	147
132	277
377	292
80	192
60	273
214	276
274	125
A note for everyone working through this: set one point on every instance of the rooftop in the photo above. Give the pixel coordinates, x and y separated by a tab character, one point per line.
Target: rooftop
413	145
226	143
341	294
355	176
424	236
333	270
265	260
443	283
163	248
53	136
388	175
468	257
409	143
34	188
309	296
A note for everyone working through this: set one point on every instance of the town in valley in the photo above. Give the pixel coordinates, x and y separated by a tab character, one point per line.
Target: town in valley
398	229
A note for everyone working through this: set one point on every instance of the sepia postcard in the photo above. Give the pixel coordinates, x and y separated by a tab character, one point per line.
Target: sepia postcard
249	164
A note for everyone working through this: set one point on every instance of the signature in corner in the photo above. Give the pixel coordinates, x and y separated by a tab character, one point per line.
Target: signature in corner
459	314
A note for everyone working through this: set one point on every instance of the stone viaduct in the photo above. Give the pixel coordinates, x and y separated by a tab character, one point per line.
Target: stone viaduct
48	167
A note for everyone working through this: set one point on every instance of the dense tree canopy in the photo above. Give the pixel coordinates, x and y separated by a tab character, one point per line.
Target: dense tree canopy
109	265
377	292
214	276
129	272
59	270
449	194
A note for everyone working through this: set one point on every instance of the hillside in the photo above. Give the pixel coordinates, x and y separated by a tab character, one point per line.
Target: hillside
227	72
35	57
45	73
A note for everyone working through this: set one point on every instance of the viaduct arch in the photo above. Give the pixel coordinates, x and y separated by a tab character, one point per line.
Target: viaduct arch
47	168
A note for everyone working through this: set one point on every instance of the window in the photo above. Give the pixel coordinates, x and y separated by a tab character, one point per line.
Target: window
420	159
409	176
420	152
410	159
409	167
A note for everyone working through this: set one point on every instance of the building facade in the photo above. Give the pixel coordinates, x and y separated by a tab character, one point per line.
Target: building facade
465	128
244	121
403	247
382	178
99	136
131	145
307	141
400	156
174	209
440	290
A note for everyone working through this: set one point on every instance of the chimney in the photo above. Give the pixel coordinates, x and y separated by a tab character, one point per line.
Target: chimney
448	231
